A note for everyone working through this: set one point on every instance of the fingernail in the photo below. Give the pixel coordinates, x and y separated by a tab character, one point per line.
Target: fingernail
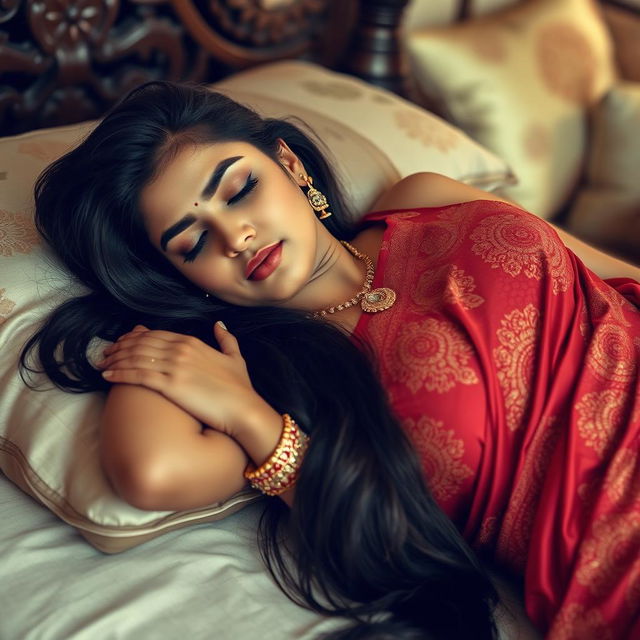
223	325
107	374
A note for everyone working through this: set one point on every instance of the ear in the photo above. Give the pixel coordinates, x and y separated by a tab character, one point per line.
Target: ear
290	161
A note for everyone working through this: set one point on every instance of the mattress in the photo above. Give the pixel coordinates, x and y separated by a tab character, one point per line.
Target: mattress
206	581
203	582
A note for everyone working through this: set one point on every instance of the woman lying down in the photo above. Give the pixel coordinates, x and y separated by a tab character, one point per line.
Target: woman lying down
441	381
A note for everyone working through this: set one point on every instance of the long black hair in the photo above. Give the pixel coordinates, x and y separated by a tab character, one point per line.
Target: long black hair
366	538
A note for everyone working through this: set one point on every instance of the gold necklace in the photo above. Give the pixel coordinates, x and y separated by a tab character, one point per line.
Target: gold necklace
370	301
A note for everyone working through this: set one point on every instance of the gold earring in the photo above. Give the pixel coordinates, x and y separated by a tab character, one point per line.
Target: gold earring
317	199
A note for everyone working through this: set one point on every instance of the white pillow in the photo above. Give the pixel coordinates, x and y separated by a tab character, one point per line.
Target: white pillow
49	439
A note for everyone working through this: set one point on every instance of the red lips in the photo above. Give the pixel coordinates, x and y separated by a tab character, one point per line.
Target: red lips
259	258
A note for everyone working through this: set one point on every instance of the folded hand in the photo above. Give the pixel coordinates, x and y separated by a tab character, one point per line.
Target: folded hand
213	386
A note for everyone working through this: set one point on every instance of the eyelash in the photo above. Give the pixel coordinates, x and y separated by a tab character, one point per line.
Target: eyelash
192	254
249	186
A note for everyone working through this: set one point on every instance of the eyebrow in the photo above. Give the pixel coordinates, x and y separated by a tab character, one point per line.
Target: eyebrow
207	193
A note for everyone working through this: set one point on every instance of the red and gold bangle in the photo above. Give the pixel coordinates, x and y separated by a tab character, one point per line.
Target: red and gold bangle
280	470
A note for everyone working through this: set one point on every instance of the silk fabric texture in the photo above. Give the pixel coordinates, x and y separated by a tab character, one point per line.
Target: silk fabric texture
514	370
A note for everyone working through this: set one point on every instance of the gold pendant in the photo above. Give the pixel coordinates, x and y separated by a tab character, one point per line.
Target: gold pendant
378	300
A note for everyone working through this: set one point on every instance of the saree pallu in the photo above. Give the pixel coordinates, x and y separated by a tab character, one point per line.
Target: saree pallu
514	370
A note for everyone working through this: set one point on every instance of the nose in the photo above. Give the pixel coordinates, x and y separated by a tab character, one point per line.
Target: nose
236	238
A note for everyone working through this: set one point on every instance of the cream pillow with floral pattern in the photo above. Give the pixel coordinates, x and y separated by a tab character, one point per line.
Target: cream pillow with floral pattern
520	81
411	138
606	211
49	439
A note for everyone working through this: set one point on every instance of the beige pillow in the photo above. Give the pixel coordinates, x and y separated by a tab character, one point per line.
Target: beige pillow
49	439
427	13
411	138
519	81
606	210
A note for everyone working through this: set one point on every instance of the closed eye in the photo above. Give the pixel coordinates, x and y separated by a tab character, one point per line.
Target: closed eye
192	254
249	186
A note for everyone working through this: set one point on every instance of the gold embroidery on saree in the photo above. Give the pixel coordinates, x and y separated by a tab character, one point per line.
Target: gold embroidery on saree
441	454
611	354
576	622
622	480
488	531
611	550
598	417
445	285
433	354
522	245
514	360
517	524
445	234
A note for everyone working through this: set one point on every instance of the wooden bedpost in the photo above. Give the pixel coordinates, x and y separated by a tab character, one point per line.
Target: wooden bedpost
375	53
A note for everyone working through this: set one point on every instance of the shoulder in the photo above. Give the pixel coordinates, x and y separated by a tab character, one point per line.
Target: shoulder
428	189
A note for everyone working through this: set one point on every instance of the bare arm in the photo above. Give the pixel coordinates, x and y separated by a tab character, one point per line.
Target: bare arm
435	190
158	456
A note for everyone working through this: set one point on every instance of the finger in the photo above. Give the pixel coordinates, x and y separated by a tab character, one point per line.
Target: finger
150	361
145	378
149	339
226	340
170	336
130	346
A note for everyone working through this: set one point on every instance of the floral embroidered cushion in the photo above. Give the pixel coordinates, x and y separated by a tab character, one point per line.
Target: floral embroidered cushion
520	81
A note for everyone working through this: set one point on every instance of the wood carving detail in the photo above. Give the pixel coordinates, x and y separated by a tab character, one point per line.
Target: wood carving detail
71	59
260	23
8	9
70	26
62	61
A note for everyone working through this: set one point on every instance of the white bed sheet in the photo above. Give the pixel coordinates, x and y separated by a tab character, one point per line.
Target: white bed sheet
205	581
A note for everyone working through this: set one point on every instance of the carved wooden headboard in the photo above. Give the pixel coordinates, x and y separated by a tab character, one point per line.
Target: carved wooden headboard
63	61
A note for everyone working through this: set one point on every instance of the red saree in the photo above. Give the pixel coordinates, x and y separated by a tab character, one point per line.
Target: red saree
514	369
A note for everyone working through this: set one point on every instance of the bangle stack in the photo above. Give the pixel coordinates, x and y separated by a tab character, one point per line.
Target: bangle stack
280	470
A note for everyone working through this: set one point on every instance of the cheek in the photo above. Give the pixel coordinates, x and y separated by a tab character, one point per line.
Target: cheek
197	274
285	198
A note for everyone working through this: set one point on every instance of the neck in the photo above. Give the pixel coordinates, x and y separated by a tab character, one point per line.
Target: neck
340	276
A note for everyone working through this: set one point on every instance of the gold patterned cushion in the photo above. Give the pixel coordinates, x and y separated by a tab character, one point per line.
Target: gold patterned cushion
49	439
427	13
519	81
606	210
410	138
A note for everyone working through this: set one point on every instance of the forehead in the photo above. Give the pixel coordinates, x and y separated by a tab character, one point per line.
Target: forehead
195	161
182	176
